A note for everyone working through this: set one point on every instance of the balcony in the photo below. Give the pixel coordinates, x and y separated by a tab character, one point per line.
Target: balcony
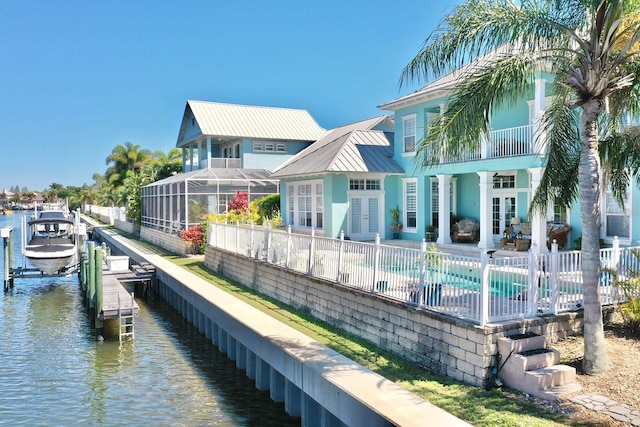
218	163
510	142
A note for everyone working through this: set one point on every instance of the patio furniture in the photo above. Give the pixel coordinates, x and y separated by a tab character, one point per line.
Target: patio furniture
518	237
466	230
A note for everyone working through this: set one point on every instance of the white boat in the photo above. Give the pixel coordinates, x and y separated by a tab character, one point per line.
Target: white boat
51	245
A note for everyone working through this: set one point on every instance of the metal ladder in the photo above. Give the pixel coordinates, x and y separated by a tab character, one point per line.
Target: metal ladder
126	323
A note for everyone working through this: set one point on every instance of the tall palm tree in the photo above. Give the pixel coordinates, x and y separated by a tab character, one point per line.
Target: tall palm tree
125	159
591	47
165	165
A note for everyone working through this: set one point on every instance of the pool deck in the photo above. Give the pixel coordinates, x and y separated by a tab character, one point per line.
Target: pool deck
462	249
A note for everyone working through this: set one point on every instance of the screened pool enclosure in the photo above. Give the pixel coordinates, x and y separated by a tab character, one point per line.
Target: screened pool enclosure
183	200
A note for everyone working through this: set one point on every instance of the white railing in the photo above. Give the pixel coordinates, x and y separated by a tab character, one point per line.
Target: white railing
510	142
480	290
118	213
515	141
226	163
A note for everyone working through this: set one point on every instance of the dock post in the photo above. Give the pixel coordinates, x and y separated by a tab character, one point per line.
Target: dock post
91	277
7	245
98	292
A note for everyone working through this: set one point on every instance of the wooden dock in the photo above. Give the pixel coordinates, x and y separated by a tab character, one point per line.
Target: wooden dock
116	300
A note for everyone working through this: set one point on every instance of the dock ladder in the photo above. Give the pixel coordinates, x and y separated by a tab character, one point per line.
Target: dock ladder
126	321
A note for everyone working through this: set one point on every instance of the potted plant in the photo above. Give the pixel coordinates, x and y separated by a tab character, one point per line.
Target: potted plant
396	225
432	233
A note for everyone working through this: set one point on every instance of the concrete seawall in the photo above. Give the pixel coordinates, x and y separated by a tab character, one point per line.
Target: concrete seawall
317	384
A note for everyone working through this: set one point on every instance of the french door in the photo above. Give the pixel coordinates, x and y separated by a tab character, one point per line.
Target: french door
364	217
504	208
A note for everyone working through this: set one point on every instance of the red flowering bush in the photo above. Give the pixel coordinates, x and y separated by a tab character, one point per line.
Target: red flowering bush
239	205
195	236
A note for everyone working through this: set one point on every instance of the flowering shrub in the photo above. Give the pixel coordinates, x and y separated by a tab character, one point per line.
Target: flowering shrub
239	205
396	225
195	236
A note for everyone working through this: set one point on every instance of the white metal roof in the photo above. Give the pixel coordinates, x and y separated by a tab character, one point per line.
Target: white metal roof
247	121
350	148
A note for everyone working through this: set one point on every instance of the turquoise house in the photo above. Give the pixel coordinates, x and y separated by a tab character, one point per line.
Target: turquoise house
495	183
345	182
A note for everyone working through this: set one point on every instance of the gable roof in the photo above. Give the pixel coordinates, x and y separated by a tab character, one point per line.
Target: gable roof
355	147
248	121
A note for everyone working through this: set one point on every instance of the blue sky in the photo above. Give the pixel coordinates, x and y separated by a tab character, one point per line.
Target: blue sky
78	78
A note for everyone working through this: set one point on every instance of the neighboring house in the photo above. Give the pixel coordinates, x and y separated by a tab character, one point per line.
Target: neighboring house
225	148
346	181
496	181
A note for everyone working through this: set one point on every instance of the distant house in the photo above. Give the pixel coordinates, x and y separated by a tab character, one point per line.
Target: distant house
345	181
225	148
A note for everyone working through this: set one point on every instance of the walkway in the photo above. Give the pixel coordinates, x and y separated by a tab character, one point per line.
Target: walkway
617	411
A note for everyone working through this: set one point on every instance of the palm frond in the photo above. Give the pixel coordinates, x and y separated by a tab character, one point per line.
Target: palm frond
559	182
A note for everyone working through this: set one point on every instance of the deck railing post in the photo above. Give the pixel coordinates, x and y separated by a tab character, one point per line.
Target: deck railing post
288	260
311	251
532	288
616	256
422	285
340	251
553	260
251	232
376	262
237	237
484	288
267	255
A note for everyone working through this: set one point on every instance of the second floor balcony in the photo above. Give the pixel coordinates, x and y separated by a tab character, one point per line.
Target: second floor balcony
217	163
509	142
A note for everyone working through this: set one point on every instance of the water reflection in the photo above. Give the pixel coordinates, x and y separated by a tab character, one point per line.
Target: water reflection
55	373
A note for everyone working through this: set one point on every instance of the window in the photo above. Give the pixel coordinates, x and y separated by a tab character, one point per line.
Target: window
410	203
409	133
617	220
269	147
364	184
305	204
504	181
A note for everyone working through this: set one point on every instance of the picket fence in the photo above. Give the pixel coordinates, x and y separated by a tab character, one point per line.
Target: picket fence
484	290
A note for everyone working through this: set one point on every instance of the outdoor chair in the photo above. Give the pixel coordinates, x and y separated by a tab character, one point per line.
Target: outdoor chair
466	230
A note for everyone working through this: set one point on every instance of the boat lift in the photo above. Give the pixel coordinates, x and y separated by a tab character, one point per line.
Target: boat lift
24	271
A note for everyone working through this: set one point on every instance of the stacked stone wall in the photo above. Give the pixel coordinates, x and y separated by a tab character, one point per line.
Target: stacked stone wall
166	241
443	344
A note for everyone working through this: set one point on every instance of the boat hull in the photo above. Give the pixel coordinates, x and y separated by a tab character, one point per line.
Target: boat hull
50	257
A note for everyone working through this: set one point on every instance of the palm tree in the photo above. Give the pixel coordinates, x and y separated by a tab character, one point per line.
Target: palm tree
165	165
125	159
591	46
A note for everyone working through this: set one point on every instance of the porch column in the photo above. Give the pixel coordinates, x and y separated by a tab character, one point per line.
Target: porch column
184	159
200	157
208	152
486	230
539	144
538	219
444	212
191	157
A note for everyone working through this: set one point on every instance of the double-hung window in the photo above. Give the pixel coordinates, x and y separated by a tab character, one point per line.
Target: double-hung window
409	133
617	219
410	203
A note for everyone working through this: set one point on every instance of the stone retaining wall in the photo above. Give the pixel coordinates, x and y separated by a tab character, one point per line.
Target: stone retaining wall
167	241
443	344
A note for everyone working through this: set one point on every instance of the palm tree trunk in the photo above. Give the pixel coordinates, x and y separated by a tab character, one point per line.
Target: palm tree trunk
595	355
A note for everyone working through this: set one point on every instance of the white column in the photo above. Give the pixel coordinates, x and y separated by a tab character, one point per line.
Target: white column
486	230
191	157
208	152
444	212
538	220
538	109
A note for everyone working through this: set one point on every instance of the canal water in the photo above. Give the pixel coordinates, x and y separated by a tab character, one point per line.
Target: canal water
54	373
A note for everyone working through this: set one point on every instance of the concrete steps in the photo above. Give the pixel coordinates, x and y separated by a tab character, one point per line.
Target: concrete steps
528	366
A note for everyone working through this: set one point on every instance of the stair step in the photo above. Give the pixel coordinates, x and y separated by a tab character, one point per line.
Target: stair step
530	362
555	393
551	376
